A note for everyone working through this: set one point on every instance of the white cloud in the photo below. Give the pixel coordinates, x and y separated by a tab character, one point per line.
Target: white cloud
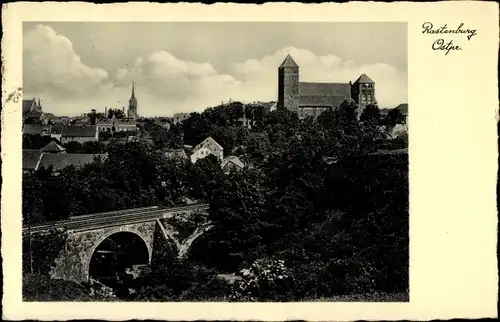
51	66
167	84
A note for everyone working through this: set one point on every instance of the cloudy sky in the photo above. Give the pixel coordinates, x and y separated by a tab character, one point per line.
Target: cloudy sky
188	66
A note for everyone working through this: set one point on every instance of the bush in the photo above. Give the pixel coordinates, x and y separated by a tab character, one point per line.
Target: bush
38	287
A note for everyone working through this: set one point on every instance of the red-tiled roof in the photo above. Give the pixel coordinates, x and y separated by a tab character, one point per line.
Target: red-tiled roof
325	89
30	159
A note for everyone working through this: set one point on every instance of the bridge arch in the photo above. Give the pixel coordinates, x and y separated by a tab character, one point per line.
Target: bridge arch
117	236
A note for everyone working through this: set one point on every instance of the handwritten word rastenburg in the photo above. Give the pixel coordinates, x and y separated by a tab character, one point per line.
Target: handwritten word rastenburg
428	28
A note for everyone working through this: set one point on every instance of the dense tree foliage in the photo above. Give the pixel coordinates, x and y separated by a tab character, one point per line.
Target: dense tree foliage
36	141
316	198
117	113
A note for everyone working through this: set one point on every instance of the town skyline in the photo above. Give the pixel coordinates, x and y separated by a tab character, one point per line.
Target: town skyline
95	67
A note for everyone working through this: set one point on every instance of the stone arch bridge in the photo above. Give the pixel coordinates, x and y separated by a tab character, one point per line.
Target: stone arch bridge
157	227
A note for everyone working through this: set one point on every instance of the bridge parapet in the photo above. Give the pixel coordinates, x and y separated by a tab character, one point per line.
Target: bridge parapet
116	218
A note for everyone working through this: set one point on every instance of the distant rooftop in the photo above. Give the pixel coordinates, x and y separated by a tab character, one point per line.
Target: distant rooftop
53	147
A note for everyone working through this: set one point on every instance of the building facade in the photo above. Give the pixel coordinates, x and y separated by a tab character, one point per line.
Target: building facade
232	163
79	133
312	99
208	147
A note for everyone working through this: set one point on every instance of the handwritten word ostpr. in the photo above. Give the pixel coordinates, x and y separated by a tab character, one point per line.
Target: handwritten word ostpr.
444	45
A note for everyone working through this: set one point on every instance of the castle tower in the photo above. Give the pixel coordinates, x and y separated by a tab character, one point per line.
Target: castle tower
132	104
363	91
288	84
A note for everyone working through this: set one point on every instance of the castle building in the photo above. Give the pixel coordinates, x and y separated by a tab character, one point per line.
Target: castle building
312	99
132	105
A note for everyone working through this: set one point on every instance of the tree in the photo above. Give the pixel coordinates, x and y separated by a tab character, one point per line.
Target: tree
371	114
237	210
36	141
40	251
92	117
94	147
394	117
73	147
118	113
41	288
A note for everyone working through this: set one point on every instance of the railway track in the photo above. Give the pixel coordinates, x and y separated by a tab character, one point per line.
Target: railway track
113	218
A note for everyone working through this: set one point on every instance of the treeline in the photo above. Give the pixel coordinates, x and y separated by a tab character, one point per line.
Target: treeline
132	175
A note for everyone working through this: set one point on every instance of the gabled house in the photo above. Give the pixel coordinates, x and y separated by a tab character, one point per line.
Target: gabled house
207	147
49	157
180	117
79	133
232	163
53	147
59	161
56	131
117	125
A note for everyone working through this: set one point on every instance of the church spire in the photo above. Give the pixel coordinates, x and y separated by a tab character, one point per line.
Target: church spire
132	103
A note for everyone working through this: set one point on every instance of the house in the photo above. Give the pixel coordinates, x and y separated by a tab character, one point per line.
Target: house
53	147
205	148
232	163
34	129
55	156
31	159
79	133
180	117
117	125
59	161
176	155
56	131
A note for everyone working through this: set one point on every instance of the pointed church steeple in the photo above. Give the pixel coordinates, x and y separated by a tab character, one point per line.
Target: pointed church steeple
132	103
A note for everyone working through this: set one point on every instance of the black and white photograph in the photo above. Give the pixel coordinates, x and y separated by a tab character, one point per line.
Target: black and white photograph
215	161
